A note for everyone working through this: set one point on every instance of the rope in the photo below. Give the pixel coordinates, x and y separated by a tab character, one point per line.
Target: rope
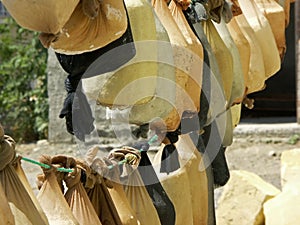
65	170
46	166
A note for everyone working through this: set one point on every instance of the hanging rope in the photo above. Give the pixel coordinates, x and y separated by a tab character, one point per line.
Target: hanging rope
65	170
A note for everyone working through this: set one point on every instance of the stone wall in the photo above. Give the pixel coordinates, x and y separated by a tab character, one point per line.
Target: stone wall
56	93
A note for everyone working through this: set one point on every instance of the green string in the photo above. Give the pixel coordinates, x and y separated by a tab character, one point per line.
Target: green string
151	141
46	166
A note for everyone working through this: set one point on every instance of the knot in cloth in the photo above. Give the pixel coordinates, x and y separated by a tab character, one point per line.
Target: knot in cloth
127	154
235	8
183	3
73	178
215	9
7	151
46	159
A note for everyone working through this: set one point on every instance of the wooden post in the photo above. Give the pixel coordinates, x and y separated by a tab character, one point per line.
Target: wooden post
297	56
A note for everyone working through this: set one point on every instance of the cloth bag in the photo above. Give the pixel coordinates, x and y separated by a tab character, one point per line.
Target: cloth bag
97	192
124	86
115	187
101	200
223	57
21	174
160	104
243	47
195	66
134	187
12	186
212	85
256	75
43	16
83	34
79	201
176	185
238	86
191	159
51	197
76	195
162	202
188	184
188	61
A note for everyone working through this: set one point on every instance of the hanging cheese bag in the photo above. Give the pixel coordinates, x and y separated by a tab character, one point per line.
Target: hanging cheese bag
97	192
238	87
117	198
263	32
223	57
176	185
78	199
134	187
191	159
256	75
188	70
83	34
12	186
194	62
117	193
243	47
48	16
188	57
276	17
21	174
162	202
139	199
163	100
7	218
103	203
51	197
215	94
125	86
191	179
